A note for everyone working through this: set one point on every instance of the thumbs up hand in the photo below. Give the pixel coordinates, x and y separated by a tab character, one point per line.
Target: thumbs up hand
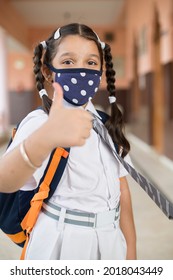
64	128
67	127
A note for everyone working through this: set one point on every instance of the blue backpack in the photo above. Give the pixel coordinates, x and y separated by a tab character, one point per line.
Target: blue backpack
19	210
16	206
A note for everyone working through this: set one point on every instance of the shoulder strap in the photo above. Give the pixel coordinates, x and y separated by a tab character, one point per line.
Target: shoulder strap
37	201
12	135
105	117
57	176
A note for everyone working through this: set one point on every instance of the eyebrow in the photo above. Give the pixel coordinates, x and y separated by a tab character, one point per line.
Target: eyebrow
95	55
71	53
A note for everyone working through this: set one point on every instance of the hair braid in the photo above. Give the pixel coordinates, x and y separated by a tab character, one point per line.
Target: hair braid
37	59
115	122
37	67
110	72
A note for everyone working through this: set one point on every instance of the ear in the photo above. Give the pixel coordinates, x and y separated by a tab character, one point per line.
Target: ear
47	73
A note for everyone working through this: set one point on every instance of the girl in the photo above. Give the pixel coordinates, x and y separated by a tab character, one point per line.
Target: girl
82	220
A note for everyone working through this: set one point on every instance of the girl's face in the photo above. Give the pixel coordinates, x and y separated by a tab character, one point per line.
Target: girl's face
77	52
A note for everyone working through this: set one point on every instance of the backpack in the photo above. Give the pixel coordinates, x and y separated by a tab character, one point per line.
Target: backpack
19	210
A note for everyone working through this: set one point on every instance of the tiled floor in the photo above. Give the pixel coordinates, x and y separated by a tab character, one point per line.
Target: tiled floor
154	229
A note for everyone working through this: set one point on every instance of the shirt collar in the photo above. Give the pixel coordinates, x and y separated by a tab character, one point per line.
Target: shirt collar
90	107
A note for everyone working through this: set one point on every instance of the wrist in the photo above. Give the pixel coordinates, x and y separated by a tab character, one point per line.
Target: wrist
25	156
38	147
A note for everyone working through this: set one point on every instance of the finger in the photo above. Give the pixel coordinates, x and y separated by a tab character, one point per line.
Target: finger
89	115
58	95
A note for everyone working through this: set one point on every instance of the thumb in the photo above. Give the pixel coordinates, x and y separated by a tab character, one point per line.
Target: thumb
58	94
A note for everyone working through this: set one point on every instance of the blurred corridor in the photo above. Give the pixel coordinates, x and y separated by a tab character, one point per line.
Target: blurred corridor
140	34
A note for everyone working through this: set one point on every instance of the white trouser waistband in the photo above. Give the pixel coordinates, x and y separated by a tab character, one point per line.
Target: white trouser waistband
82	218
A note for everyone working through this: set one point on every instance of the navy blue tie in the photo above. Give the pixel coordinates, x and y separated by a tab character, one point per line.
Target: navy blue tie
155	194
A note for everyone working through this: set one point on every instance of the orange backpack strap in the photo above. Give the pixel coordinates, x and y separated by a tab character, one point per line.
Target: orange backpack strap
36	203
13	132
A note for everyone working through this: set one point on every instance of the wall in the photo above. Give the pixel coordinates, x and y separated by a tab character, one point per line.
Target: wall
140	28
20	75
13	22
20	85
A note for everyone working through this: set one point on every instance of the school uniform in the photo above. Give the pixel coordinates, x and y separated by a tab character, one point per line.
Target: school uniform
90	184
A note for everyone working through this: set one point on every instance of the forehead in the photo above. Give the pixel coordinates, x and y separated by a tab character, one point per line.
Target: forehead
77	44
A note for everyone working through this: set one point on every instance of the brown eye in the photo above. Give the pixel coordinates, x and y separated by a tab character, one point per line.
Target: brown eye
91	62
68	62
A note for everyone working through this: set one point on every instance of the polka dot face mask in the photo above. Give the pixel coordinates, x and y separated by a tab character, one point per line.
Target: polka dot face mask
79	84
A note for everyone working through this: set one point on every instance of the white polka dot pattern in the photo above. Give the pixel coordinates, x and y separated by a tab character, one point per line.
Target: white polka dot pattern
79	85
90	83
74	81
66	88
83	92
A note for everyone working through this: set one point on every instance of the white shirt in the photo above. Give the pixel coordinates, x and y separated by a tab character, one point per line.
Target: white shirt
90	181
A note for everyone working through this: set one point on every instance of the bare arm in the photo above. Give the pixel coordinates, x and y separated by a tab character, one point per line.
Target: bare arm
126	219
64	128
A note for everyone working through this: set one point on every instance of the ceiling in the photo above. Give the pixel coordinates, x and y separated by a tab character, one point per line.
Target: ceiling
59	12
45	13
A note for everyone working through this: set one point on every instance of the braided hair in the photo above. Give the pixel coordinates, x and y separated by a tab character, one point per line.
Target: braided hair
45	53
115	124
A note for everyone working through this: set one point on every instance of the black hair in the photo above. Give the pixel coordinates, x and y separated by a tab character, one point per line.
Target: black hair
115	123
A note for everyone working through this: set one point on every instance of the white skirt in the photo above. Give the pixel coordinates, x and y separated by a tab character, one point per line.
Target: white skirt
56	240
